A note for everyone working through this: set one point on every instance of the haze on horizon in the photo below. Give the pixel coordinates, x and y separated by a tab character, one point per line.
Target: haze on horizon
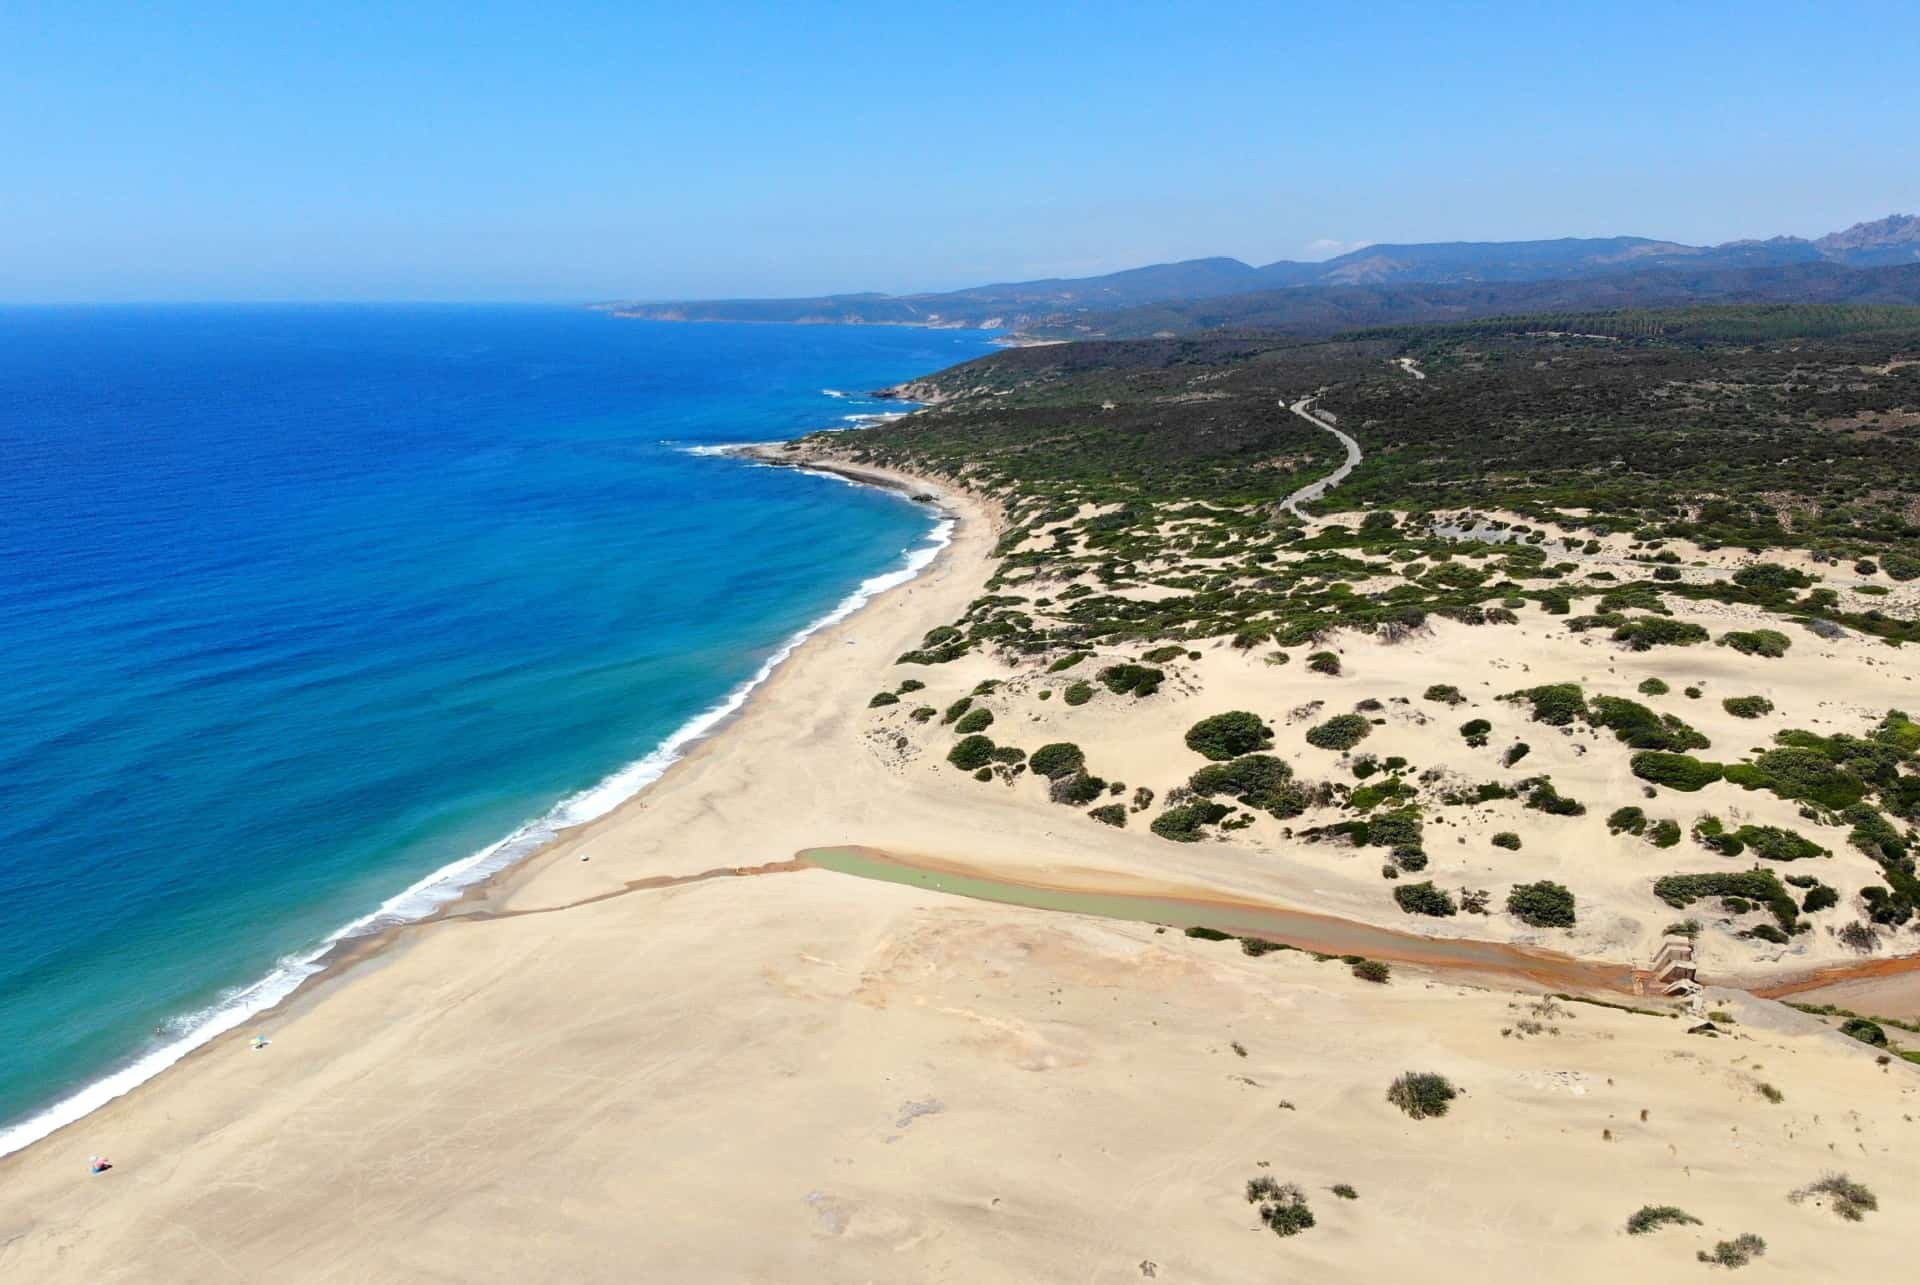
353	152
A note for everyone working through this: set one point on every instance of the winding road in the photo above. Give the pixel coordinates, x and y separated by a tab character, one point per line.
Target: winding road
1314	490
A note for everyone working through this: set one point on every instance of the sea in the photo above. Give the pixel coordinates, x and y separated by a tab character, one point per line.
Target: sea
311	616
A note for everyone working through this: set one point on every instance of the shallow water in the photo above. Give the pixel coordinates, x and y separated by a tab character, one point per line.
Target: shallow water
1302	929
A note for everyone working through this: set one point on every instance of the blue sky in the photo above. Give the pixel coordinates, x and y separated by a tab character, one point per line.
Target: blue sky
573	152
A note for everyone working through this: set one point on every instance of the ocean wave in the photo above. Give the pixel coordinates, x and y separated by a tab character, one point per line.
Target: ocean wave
428	894
834	392
875	417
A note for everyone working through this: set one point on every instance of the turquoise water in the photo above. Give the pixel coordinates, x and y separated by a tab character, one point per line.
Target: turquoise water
300	606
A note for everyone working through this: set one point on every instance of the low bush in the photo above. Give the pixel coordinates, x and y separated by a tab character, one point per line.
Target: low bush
923	714
1225	736
1161	655
1060	758
1323	662
1653	687
955	710
1136	680
1114	814
1445	693
1763	886
1068	661
1544	798
1075	789
1474	731
1255	780
1422	1094
971	753
1851	1200
1078	693
1341	732
1507	839
1770	643
1556	704
1747	706
1373	970
882	698
1653	1217
1424	899
1738	1252
1185	823
1345	1191
1645	632
1627	820
1865	1030
1544	905
1819	897
1515	752
1283	1206
974	720
1641	728
1665	833
1676	771
910	685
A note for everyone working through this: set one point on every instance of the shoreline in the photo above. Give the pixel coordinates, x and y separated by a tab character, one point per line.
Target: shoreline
476	877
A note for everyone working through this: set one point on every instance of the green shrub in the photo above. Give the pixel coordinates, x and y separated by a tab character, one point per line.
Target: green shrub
1770	643
955	710
1224	736
1738	1252
1900	566
1113	814
1820	897
1445	693
1209	934
1161	655
1373	970
970	753
1676	771
1771	578
1507	839
976	720
1068	661
1544	905
882	698
1256	780
1283	1206
1802	773
1060	758
1515	752
1183	824
1556	704
909	685
1865	1030
1664	834
1775	843
1639	727
1345	1191
1873	834
1653	687
1763	886
1644	632
1747	706
1544	798
1851	1200
1076	789
1078	693
1653	1217
1424	899
1422	1094
1139	680
1627	820
1474	731
923	714
1341	732
1323	662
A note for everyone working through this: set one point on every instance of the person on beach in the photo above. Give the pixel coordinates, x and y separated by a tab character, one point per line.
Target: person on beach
98	1164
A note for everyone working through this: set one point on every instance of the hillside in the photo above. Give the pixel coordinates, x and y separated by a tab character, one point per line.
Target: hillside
1612	272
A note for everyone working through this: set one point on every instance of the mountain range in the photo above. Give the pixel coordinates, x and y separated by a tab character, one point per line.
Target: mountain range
1379	284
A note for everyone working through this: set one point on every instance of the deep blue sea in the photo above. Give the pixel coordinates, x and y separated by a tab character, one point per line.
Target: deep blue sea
302	605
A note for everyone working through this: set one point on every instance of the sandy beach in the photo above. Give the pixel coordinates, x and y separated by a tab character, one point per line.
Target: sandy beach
597	1068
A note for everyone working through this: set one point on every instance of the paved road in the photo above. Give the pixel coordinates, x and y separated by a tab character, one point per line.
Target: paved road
1314	490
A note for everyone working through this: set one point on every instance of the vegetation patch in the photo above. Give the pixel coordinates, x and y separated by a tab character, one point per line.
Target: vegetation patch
1425	899
1762	886
1283	1206
1225	736
1341	732
1676	771
1747	706
974	720
1770	643
1851	1200
971	753
1135	680
1544	904
1650	1218
1187	822
1422	1094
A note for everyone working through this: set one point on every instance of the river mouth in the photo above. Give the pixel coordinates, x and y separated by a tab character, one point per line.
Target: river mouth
1301	929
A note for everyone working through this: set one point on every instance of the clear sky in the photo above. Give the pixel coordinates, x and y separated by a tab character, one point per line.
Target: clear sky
636	150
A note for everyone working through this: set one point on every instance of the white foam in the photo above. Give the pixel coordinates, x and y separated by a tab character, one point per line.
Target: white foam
875	417
833	392
428	894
